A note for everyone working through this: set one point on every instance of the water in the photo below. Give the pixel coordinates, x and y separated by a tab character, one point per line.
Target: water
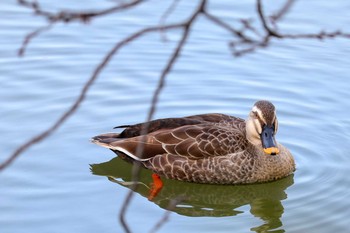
50	188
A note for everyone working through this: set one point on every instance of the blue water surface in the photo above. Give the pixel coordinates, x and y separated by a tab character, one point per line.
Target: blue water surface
50	187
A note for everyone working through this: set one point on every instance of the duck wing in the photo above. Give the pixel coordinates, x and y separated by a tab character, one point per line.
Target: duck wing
194	137
171	123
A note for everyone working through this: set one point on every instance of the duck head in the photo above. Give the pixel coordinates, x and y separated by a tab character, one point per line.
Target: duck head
261	127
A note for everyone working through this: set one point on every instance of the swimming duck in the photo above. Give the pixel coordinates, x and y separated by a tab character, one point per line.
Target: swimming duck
209	148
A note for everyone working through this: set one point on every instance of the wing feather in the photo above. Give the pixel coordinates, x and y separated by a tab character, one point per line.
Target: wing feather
195	137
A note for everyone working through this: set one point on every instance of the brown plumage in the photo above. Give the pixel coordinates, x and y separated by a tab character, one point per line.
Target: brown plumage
208	148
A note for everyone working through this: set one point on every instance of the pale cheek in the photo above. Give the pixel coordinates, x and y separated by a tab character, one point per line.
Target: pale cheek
258	128
253	130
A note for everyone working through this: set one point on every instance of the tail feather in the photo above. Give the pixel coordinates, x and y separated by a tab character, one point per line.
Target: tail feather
122	126
105	139
127	147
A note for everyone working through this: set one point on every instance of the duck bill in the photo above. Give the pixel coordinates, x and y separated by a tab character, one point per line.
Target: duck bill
268	140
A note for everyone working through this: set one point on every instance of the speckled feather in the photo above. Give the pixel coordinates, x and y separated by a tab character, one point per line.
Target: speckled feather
208	148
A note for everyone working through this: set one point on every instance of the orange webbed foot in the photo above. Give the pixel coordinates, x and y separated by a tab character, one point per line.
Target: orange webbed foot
156	186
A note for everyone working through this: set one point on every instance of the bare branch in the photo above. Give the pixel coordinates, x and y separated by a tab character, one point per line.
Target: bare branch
68	16
31	35
269	31
248	26
283	11
321	35
226	26
163	18
264	43
35	7
252	48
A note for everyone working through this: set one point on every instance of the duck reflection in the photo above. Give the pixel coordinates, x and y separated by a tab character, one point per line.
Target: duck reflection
205	199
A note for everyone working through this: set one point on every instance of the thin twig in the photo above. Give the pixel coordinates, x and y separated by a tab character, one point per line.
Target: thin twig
68	16
259	9
264	43
165	15
283	11
252	48
35	7
247	26
226	26
31	35
321	35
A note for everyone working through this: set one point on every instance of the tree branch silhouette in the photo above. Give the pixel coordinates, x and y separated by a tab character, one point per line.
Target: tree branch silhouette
165	15
31	35
282	11
267	28
264	41
243	42
68	16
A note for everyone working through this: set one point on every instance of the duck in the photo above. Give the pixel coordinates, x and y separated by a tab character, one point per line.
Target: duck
211	148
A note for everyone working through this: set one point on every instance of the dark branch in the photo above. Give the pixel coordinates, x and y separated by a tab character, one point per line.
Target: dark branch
321	35
283	11
68	16
226	26
166	14
247	26
31	35
35	7
264	43
259	9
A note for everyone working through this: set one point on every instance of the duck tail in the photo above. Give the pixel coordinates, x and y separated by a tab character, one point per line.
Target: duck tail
105	139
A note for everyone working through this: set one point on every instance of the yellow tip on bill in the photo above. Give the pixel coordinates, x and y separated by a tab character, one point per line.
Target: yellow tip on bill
272	150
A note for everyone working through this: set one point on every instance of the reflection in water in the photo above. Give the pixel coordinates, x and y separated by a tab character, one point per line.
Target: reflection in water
207	199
